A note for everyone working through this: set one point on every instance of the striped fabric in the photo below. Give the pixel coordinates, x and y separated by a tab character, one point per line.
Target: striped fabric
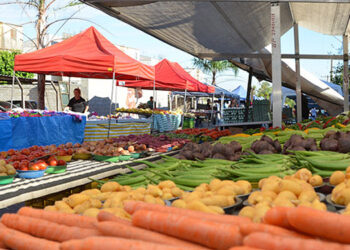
98	130
77	174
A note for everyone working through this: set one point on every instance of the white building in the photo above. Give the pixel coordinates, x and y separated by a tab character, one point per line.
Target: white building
11	36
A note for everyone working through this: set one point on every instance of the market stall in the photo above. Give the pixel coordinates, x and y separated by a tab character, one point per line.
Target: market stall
24	129
172	77
88	55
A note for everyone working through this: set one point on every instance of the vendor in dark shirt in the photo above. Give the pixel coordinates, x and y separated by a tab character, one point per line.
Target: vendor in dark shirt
77	103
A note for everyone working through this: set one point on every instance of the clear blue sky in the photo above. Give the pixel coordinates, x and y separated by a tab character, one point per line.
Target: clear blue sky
123	34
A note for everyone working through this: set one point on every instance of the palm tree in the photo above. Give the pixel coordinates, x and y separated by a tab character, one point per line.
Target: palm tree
214	67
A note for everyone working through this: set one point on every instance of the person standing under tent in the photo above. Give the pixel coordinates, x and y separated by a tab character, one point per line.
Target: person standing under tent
150	103
77	103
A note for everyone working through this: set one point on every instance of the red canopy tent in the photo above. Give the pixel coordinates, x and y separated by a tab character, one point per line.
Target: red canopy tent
169	76
87	54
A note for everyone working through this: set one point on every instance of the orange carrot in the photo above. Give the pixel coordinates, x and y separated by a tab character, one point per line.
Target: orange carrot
45	229
274	242
277	216
105	216
60	218
14	239
264	228
113	243
244	248
133	206
332	226
207	233
126	231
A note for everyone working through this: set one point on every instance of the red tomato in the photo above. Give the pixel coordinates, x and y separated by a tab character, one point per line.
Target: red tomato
15	164
24	169
42	165
23	164
61	163
53	162
70	151
34	167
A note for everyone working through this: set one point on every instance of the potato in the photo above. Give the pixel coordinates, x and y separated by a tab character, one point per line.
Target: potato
259	213
67	211
91	212
10	169
3	174
289	185
95	203
61	205
76	199
80	208
91	192
347	207
337	177
247	211
167	196
316	204
216	209
348	170
137	196
245	185
2	162
238	189
51	208
255	197
126	188
303	174
282	202
159	201
119	212
166	190
219	200
305	204
119	196
166	184
315	180
307	196
102	196
154	191
347	175
179	203
141	190
149	199
188	197
176	192
226	190
271	186
261	183
215	184
111	186
203	187
342	197
268	195
3	169
199	206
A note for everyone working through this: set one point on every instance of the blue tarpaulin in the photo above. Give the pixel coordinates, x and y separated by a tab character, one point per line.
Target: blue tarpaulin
23	132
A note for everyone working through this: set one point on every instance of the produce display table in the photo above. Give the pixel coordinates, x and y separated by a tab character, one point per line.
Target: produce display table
23	132
98	130
77	174
166	123
223	125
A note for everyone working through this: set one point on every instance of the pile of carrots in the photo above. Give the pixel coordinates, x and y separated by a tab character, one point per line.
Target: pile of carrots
156	227
213	133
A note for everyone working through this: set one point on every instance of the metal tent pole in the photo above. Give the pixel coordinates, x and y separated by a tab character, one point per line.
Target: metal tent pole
276	64
212	108
297	74
346	72
222	105
247	99
13	85
110	106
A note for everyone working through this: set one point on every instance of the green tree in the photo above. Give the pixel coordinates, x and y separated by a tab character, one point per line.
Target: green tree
214	67
264	90
337	77
289	102
7	59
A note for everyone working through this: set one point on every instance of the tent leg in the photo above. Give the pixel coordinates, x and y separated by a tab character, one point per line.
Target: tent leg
13	85
297	73
110	106
22	93
276	64
247	100
212	108
346	73
222	106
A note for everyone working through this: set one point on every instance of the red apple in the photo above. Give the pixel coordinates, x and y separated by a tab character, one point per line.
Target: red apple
61	163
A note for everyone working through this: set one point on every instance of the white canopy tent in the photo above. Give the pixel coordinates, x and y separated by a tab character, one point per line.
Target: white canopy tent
231	29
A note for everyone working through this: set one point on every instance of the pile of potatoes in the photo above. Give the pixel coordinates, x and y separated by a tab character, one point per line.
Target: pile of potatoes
213	197
111	198
287	192
6	169
341	192
305	175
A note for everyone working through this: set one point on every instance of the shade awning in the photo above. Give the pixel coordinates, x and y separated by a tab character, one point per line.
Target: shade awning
88	55
170	76
217	29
